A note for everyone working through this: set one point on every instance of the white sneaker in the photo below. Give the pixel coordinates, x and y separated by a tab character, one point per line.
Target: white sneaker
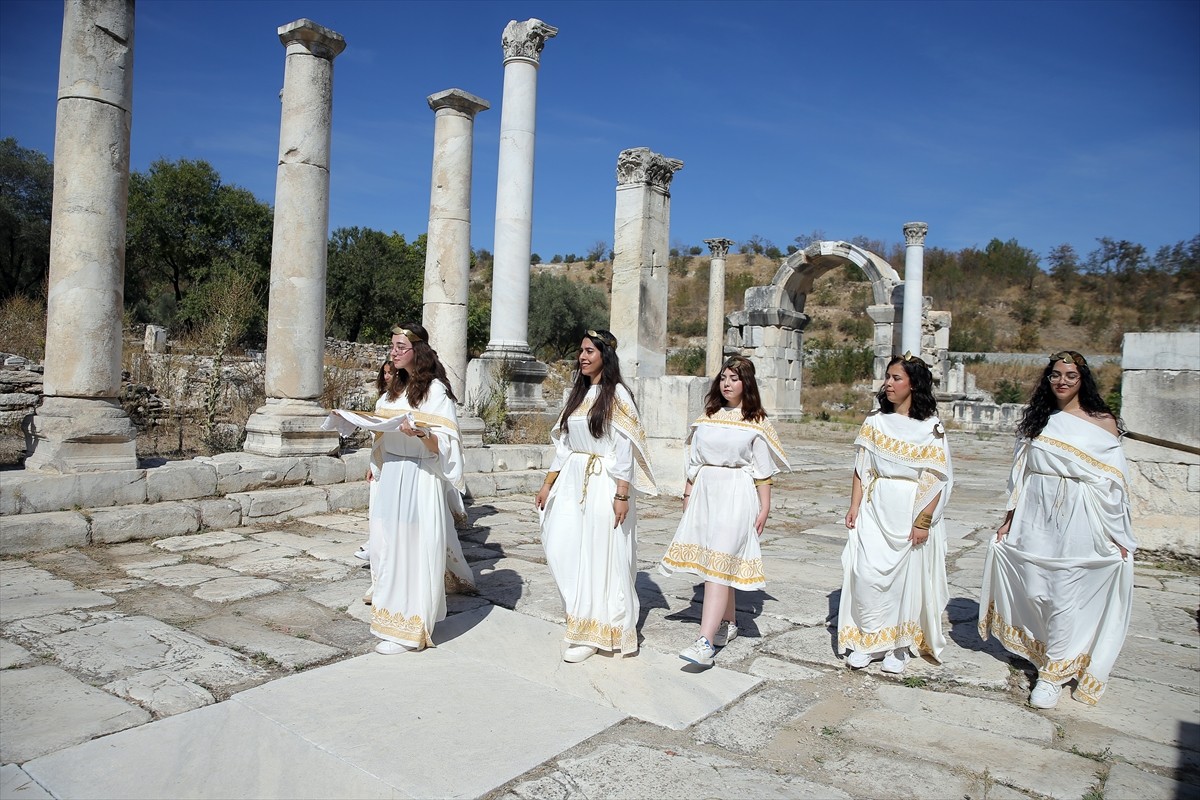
700	652
1045	694
577	653
725	634
857	659
386	648
894	661
362	553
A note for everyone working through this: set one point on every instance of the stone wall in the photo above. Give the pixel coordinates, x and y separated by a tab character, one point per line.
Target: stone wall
20	389
1160	395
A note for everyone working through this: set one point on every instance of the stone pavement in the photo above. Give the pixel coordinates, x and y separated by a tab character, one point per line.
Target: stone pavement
236	663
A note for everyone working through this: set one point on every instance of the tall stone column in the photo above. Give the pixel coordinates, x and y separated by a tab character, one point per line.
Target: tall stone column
448	246
640	252
715	348
914	266
290	422
80	426
508	349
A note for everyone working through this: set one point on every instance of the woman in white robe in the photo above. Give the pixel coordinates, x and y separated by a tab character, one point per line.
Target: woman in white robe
894	587
1058	578
417	471
589	519
733	452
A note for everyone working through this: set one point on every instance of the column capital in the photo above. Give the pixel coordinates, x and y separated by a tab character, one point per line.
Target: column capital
458	100
914	233
316	39
638	165
523	41
719	247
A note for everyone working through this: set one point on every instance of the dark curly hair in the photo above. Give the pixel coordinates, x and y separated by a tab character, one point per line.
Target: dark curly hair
426	367
610	378
1042	402
743	367
383	379
923	405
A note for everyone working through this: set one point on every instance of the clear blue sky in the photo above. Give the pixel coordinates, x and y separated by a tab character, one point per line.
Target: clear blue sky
1047	122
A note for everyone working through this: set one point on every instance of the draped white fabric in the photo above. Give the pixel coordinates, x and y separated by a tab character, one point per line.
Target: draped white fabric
593	562
893	594
716	539
1056	590
414	549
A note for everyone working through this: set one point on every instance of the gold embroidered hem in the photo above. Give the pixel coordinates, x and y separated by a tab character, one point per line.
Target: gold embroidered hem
457	585
902	635
715	564
1088	687
394	625
597	634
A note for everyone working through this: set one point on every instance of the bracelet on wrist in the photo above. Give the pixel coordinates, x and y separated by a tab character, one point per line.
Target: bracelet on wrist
624	497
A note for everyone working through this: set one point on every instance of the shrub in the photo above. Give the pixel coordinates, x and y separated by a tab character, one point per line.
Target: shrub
688	361
857	328
842	365
1009	392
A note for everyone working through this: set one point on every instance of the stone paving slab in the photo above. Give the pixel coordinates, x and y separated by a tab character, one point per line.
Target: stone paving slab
164	693
38	605
225	590
182	574
179	544
651	686
13	655
246	636
15	784
1128	783
752	724
46	709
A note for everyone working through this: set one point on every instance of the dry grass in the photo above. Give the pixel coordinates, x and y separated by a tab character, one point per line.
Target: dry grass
837	402
23	327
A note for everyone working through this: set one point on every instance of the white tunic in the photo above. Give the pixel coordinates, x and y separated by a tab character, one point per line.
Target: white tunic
893	593
1056	590
594	562
414	549
716	539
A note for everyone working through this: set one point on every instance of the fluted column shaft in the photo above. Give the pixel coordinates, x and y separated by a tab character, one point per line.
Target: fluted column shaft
715	349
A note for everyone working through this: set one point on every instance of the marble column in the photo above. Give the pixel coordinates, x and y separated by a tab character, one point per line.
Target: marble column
289	423
715	347
448	246
80	426
914	265
508	348
640	259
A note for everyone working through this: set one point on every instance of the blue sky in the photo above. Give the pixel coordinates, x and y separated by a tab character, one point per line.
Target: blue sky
1047	122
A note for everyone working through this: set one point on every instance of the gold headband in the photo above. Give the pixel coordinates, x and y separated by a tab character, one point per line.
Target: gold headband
729	362
910	358
1067	357
406	333
607	338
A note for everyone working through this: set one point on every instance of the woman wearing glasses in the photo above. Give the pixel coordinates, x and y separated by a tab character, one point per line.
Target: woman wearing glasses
1058	578
589	519
417	470
894	566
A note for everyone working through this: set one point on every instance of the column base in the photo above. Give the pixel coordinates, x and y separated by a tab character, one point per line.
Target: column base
289	428
78	434
514	371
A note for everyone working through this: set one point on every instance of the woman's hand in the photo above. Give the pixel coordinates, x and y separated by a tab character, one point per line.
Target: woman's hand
620	511
1124	552
852	517
1005	527
543	494
761	522
918	536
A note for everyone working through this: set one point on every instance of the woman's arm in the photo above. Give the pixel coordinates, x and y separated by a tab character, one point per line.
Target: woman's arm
856	492
924	521
764	504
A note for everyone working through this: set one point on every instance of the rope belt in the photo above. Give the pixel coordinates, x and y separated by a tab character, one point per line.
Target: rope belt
594	466
875	476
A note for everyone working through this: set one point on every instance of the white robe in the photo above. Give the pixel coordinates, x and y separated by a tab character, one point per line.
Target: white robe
414	549
893	594
716	539
1056	590
594	562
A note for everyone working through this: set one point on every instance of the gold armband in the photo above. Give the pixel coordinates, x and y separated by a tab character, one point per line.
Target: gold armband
551	477
924	521
619	496
763	481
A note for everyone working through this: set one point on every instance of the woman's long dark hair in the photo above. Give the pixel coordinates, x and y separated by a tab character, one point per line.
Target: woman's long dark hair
426	368
383	379
610	378
923	404
1042	403
743	367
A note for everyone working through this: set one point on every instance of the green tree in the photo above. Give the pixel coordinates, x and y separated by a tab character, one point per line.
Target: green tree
375	281
183	222
26	191
1064	264
560	312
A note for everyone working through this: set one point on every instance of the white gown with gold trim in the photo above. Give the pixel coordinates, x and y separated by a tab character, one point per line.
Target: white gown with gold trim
893	594
593	562
716	540
1056	590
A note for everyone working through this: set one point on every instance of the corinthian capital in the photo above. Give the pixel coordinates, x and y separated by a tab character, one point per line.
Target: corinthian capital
640	165
525	40
914	232
719	247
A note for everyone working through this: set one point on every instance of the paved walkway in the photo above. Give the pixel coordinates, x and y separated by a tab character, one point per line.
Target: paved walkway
237	664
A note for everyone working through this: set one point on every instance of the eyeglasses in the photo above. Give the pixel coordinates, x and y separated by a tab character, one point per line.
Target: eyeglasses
1065	380
401	350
